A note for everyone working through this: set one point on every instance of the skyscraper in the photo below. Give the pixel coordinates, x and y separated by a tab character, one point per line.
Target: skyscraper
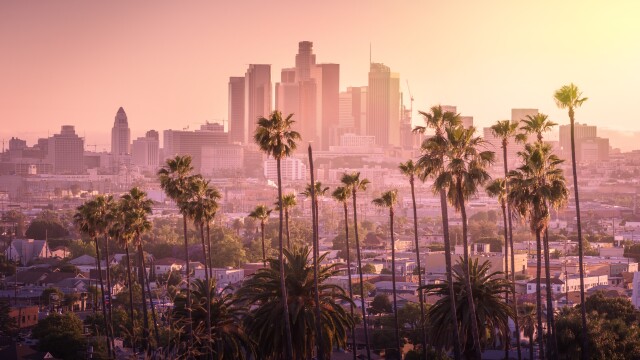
120	135
145	150
257	90
177	142
236	109
327	79
383	105
66	152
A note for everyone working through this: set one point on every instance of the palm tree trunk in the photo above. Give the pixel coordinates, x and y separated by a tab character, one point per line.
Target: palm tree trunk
283	286
447	258
364	310
467	281
264	254
154	318
208	289
393	283
513	257
104	304
316	258
145	313
286	218
188	269
133	327
209	250
539	296
551	337
531	346
346	233
583	311
109	307
421	293
507	337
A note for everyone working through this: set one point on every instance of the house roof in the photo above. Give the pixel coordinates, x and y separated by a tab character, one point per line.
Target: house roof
27	276
543	281
83	260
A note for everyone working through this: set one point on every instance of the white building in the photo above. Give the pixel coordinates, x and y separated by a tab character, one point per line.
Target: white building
166	265
292	169
635	295
222	276
145	151
221	157
573	283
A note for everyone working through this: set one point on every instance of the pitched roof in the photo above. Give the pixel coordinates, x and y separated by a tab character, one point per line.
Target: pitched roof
83	260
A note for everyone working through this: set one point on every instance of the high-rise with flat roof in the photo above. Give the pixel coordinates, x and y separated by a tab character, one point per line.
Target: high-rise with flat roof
383	105
66	152
257	90
236	109
145	151
181	142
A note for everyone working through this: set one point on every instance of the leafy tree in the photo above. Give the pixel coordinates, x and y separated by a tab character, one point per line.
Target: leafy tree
368	288
381	304
61	335
369	269
7	267
41	229
8	324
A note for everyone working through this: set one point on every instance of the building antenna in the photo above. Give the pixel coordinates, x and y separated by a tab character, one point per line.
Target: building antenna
369	53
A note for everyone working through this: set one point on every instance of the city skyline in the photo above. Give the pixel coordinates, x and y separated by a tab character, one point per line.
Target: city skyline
173	79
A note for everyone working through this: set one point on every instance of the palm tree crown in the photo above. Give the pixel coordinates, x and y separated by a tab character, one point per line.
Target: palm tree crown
275	137
438	119
537	124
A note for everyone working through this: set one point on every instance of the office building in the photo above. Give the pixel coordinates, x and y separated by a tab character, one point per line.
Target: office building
383	105
66	152
257	98
236	109
183	142
120	135
145	151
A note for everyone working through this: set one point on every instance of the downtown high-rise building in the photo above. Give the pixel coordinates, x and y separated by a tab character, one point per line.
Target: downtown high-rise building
145	151
194	143
310	91
120	135
383	105
236	109
66	152
257	98
589	147
352	111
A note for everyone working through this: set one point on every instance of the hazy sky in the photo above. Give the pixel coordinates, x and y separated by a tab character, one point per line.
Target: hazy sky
168	62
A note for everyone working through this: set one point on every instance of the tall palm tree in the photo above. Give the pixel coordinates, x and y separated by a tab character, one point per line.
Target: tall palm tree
262	294
493	313
439	120
536	185
537	125
411	170
462	171
342	194
137	207
288	201
388	200
174	179
506	130
90	220
201	209
318	191
262	213
353	183
570	97
275	138
227	338
527	313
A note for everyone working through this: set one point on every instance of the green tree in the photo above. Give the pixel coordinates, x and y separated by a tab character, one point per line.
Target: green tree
61	335
381	304
41	229
493	314
527	323
369	269
8	324
353	183
263	295
288	202
570	97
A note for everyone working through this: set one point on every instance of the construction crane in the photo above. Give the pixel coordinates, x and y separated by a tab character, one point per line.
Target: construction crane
410	98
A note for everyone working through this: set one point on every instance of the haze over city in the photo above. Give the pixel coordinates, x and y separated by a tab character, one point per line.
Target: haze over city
76	62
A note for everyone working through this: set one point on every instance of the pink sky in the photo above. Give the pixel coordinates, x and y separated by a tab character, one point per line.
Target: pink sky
167	63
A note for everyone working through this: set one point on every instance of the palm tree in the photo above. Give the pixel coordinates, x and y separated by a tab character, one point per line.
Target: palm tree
570	97
136	207
462	171
539	124
263	295
439	120
342	194
506	130
353	183
90	219
493	313
288	201
174	178
318	191
410	170
388	200
227	338
527	313
535	186
262	213
275	138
